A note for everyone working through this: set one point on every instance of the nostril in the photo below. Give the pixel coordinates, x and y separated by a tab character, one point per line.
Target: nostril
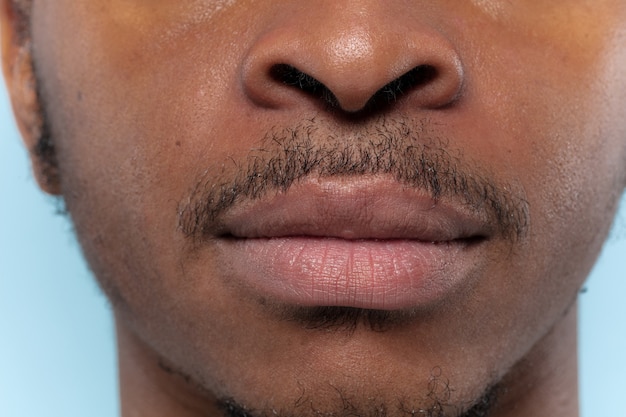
292	77
413	79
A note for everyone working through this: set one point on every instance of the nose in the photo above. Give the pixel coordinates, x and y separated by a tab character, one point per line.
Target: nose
351	58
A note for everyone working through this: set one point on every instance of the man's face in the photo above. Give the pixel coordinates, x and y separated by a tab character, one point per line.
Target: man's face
303	205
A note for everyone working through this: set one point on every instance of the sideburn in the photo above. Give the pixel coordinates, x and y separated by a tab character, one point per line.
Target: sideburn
44	149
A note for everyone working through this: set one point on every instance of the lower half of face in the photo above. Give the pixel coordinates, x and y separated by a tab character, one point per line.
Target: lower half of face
294	256
292	301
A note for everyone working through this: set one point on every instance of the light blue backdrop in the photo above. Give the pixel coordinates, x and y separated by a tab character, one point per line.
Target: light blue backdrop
57	353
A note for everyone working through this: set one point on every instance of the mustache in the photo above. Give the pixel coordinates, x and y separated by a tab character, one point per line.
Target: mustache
410	151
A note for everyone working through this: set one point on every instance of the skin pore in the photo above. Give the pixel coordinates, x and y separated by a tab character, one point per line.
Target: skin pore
191	140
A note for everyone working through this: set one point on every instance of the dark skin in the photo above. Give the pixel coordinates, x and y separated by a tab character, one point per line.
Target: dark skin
347	279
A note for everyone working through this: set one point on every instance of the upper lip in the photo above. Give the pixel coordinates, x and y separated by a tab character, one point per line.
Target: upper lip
377	208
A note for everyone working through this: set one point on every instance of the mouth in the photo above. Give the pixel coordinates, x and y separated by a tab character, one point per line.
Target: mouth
369	243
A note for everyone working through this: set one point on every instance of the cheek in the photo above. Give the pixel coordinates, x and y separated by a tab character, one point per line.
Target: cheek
558	98
135	130
551	121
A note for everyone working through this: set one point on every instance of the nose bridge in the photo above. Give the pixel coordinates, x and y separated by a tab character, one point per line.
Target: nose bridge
353	49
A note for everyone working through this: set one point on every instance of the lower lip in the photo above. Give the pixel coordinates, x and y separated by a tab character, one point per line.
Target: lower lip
372	274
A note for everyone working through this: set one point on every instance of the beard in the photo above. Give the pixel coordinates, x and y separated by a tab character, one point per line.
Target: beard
436	402
347	408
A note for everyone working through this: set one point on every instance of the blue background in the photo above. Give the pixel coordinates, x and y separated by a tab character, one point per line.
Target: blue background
57	347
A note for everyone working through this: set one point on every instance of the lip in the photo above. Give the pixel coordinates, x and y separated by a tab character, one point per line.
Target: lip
365	243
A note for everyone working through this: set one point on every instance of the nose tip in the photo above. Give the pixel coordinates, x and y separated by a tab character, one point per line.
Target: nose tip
352	70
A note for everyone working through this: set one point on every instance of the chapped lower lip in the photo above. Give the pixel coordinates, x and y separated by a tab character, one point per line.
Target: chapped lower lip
382	274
